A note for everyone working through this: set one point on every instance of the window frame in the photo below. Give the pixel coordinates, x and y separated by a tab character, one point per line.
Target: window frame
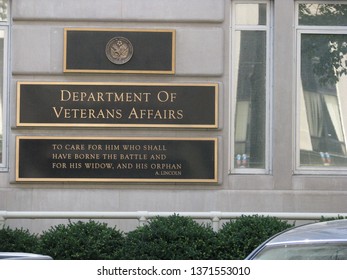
5	26
268	28
299	31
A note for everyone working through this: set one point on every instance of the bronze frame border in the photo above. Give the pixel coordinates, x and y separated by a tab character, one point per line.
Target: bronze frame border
216	106
113	180
173	54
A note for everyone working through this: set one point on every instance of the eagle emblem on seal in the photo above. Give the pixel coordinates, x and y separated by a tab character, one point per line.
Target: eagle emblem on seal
119	50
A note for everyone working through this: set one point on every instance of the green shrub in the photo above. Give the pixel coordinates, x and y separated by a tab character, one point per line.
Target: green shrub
17	240
238	238
170	238
82	241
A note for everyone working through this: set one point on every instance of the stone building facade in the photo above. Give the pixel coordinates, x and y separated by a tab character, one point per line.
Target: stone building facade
277	70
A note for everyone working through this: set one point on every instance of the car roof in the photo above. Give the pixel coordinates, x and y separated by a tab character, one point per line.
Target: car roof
22	256
335	230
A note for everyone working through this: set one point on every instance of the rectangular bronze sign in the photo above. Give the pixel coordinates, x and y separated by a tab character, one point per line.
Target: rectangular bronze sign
119	50
77	159
117	105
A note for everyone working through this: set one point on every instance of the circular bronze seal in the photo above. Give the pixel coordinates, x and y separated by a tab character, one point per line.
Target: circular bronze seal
119	50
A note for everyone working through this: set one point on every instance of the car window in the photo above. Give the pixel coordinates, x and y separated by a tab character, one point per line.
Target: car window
321	251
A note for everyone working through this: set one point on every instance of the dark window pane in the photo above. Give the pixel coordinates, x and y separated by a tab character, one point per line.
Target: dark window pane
250	86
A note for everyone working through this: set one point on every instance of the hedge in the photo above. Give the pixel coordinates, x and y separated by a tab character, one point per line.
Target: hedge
163	238
82	241
18	240
172	238
240	237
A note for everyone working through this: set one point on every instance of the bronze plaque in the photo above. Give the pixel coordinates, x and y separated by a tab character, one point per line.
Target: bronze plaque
117	105
95	50
77	159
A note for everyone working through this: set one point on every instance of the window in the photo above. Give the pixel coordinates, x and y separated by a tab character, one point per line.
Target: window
250	86
322	85
4	26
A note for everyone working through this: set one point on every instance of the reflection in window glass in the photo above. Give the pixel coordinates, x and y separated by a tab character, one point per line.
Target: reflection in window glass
323	99
323	14
250	14
250	113
3	10
2	37
318	251
4	4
